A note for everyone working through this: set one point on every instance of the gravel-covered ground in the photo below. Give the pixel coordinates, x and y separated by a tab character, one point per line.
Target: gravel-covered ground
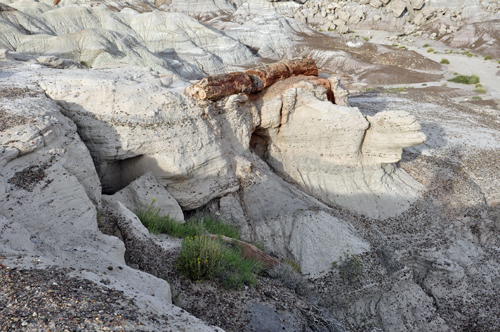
50	300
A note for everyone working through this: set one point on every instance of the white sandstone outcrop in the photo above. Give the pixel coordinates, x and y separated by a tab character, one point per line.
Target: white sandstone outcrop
49	191
150	128
144	192
348	161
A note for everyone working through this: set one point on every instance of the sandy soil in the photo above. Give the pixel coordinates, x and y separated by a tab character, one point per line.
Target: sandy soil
459	63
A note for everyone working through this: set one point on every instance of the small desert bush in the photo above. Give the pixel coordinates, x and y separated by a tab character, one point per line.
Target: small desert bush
488	57
199	225
477	98
350	268
473	79
445	61
199	257
479	90
430	50
290	278
426	45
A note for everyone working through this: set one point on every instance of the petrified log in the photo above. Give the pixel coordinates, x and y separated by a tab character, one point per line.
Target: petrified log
218	86
270	74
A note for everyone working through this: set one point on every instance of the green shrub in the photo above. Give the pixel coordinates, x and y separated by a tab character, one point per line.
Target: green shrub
196	226
445	61
366	39
234	271
290	278
426	45
480	90
430	50
477	98
444	84
199	257
478	85
473	79
488	57
403	47
424	84
394	45
469	55
350	268
463	79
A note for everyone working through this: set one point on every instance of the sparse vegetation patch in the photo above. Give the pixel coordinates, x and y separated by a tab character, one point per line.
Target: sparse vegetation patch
203	257
473	79
350	267
151	217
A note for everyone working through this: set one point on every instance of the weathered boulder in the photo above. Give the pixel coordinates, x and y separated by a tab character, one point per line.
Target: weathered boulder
398	7
145	192
150	129
343	168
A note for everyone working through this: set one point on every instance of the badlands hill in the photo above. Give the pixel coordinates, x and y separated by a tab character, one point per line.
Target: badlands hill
98	116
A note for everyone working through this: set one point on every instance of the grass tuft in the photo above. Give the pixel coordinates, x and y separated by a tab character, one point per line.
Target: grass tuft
430	50
488	57
473	79
197	226
199	257
445	61
234	271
